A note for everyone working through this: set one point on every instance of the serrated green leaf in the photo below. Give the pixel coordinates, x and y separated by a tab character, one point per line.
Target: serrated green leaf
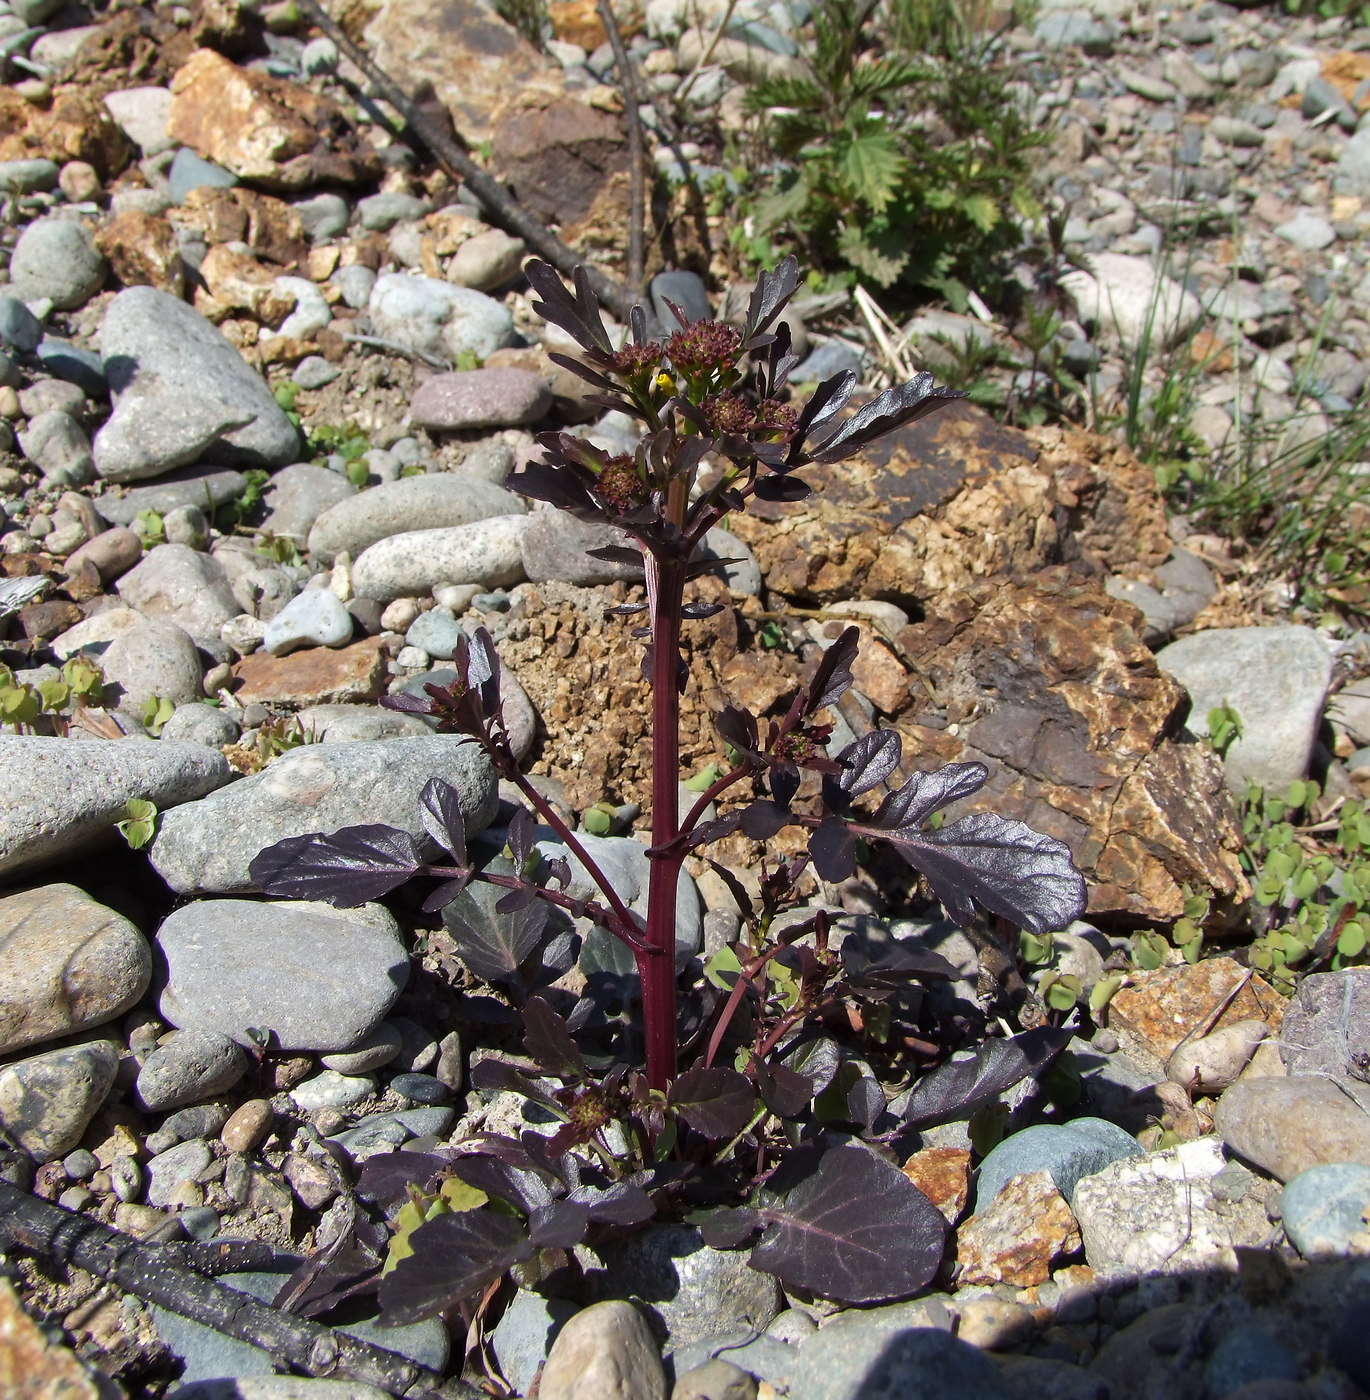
871	164
981	210
881	264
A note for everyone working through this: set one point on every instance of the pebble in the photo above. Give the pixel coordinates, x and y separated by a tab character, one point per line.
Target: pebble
443	500
350	724
1285	1126
481	398
487	261
191	172
56	259
191	1065
1211	1063
435	632
1324	1210
142	114
315	618
20	329
1327	1024
180	387
187	487
437	318
177	584
314	372
487	552
604	1352
521	1338
854	1363
1307	231
1276	679
378	213
326	216
332	1090
207	846
555	546
70	964
299	494
27	176
46	1100
355	283
247	1126
235	965
421	1088
64	795
58	446
1069	1151
381	1133
377	1049
140	657
168	1172
201	724
1129	299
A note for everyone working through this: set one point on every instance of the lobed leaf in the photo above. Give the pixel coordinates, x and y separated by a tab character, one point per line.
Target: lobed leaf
833	676
896	407
493	945
716	1102
869	761
856	1229
548	1042
925	793
352	866
577	315
454	1257
772	291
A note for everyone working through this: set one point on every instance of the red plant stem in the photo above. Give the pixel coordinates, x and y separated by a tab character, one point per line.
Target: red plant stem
657	973
739	988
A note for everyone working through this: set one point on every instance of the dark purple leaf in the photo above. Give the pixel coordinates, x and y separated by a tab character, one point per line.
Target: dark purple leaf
958	1087
869	761
735	888
891	962
1006	867
817	1060
833	674
772	291
710	564
716	1102
925	793
737	727
577	315
824	403
561	1225
637	322
493	945
581	369
350	867
440	810
520	837
384	1180
729	1227
784	1091
714	830
784	780
408	704
454	1257
781	488
520	1186
761	820
620	1204
617	554
446	893
514	900
896	407
495	1076
547	1041
832	847
695	612
865	1100
625	609
856	1229
558	872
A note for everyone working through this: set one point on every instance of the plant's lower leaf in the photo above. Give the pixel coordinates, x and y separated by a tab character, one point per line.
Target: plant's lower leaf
896	407
350	867
454	1257
384	1179
891	962
617	554
871	162
782	488
561	1225
620	1204
913	802
492	944
761	820
446	893
817	1060
729	1227
716	1102
958	1087
520	1186
856	1229
784	1091
1007	868
440	811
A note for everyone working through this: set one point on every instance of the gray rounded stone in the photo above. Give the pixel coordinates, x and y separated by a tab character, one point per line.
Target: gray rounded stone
56	258
141	657
47	1100
174	583
435	632
487	552
192	486
350	724
487	260
438	501
167	1171
201	724
1327	1024
481	398
1285	1126
378	213
1323	1210
318	978
142	114
378	1049
58	446
69	964
604	1352
1068	1151
323	215
191	1066
298	495
27	176
64	795
314	618
20	329
192	172
555	548
332	1090
180	388
208	846
1276	678
422	313
852	1363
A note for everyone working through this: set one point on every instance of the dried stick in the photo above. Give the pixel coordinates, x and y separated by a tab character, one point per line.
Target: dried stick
62	1237
627	80
505	210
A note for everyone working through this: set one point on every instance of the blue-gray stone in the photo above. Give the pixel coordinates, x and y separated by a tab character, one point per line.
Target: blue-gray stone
832	357
10	377
84	368
26	176
20	329
851	1363
422	1088
189	172
491	602
313	372
435	632
1324	1209
383	1132
1244	1355
1068	1151
380	212
767	1358
688	292
524	1335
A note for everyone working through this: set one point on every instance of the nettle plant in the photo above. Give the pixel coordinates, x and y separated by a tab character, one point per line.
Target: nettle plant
751	1116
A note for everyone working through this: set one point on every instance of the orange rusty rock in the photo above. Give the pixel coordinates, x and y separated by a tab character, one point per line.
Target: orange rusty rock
942	1174
318	676
72	126
1159	1009
264	128
879	676
1016	1238
238	282
143	251
31	1366
269	226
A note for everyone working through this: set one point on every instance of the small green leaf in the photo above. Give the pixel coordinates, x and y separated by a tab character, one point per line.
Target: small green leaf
598	820
1351	940
723	969
705	778
981	210
139	823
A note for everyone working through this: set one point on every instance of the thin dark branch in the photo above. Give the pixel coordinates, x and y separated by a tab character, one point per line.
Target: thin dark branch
627	81
65	1239
504	209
